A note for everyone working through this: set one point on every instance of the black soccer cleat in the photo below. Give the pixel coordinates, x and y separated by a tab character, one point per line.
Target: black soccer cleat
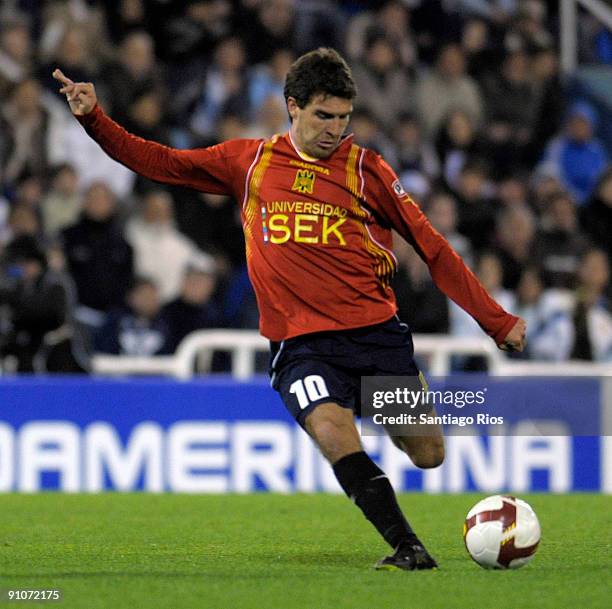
407	557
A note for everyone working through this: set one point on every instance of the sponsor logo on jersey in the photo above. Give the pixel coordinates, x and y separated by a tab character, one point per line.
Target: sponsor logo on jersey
310	166
303	222
304	181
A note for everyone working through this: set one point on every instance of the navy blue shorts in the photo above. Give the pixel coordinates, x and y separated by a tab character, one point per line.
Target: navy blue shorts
322	367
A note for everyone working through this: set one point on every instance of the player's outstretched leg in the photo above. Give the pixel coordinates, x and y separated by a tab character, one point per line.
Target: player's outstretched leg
333	429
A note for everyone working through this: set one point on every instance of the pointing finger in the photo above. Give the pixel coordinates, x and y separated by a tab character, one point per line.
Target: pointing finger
59	75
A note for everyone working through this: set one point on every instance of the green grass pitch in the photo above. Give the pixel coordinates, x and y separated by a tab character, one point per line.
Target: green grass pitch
282	552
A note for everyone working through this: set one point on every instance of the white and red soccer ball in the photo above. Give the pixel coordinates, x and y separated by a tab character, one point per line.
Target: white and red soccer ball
501	532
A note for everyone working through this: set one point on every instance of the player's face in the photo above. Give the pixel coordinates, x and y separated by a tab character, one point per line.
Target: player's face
318	126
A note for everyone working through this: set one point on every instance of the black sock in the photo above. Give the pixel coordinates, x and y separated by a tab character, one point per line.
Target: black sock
368	486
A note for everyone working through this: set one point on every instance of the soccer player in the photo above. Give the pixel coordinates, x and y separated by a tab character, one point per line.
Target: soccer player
317	213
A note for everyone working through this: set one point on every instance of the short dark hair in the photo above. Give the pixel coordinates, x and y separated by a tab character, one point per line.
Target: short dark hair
322	71
25	248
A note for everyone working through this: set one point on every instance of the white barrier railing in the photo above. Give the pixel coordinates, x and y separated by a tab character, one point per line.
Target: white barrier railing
195	352
569	28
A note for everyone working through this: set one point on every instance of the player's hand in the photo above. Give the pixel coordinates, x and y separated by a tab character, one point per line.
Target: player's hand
515	340
81	96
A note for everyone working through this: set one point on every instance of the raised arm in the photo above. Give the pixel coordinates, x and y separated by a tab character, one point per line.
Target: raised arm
204	169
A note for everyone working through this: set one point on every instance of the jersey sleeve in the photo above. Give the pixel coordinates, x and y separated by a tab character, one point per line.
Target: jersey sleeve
205	169
387	199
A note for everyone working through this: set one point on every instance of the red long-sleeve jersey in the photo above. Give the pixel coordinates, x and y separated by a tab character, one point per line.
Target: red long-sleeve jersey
318	231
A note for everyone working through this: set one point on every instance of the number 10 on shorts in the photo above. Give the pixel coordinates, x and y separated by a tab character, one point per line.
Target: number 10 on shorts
308	390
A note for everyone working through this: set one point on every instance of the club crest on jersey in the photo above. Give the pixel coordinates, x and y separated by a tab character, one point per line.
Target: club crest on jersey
304	181
398	189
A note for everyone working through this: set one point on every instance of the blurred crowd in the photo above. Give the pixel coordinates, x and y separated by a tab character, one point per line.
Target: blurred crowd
462	97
